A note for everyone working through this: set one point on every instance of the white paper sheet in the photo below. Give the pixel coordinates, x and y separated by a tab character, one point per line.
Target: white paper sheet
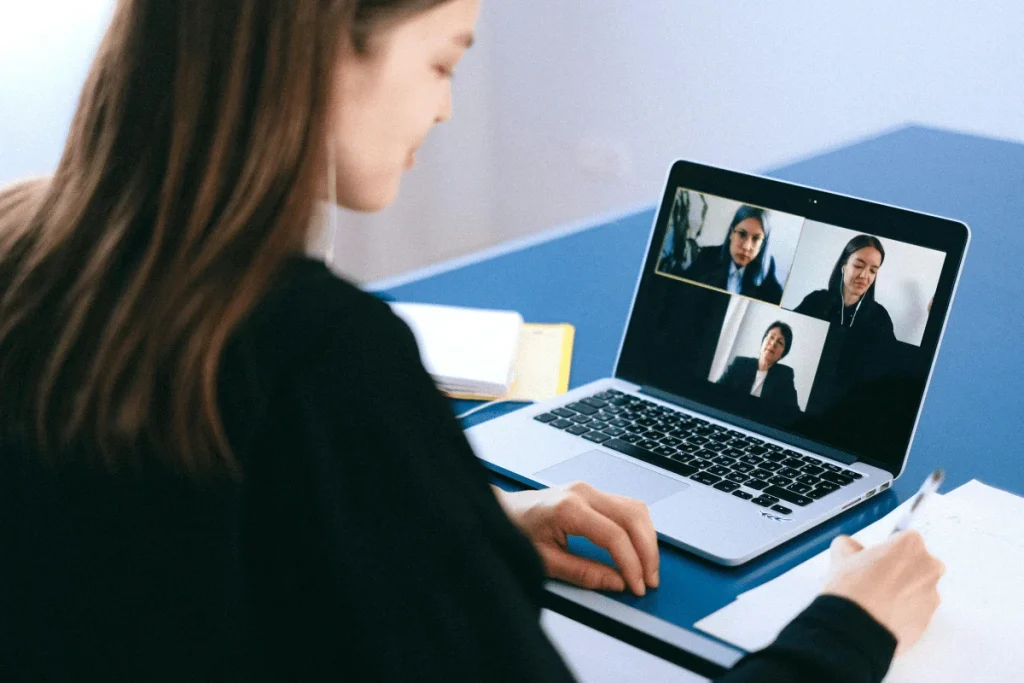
978	531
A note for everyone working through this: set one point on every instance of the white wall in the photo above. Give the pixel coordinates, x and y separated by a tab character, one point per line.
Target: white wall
46	47
905	284
745	324
567	109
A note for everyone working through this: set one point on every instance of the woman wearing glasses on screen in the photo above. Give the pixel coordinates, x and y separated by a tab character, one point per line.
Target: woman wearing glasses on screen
221	462
743	264
849	301
763	377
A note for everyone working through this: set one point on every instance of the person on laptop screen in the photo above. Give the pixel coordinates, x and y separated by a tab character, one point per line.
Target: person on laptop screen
764	377
743	264
849	300
219	461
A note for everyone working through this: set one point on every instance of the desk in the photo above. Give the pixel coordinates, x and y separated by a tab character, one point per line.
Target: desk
971	424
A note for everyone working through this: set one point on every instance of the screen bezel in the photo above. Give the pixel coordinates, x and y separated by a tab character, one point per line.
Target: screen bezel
814	204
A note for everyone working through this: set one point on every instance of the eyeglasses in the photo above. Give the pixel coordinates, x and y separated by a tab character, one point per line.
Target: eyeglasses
744	236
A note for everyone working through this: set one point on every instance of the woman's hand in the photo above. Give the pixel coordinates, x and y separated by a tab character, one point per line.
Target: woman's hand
895	582
620	525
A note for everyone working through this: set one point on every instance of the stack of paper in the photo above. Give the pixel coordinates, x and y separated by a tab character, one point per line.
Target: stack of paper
487	354
978	532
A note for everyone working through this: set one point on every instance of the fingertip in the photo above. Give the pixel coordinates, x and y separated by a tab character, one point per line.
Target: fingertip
614	583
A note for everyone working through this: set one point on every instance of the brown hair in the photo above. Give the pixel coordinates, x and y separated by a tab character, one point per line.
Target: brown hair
189	175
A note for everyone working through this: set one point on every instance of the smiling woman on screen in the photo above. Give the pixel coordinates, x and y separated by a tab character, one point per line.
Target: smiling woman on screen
221	462
849	300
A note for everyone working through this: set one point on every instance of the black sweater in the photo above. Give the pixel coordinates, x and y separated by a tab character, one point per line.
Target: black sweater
363	542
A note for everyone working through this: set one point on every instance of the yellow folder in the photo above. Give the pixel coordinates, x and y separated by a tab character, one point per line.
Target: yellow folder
542	364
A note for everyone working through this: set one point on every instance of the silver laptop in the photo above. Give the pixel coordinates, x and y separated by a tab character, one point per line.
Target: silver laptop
772	370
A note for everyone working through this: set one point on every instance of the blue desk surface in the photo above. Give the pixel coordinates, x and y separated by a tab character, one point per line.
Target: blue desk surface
972	418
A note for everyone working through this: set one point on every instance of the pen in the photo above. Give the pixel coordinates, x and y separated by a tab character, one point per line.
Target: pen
930	485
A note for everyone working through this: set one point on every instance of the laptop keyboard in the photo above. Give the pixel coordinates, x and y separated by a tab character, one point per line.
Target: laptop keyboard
766	474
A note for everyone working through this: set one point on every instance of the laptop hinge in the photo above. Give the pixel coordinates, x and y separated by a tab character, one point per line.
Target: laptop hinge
758	428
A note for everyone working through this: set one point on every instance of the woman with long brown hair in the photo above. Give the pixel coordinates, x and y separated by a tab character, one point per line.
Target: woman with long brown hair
218	461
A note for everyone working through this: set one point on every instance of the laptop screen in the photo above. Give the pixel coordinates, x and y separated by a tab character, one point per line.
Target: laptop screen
812	315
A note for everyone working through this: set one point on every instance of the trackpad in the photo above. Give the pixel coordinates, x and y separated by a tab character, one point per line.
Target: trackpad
614	475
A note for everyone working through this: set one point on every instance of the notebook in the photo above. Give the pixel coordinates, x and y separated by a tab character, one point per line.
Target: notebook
976	530
481	354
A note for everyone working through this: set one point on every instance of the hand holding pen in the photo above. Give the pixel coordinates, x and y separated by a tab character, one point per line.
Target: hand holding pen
896	581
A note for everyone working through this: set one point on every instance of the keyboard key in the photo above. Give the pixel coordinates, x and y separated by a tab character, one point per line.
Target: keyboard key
756	484
706	454
780	481
655	435
596	437
562	412
812	469
718	470
750	459
578	430
727	486
648	444
787	495
855	475
699	440
671	441
757	450
582	408
742	494
771	466
561	424
646	421
761	474
743	467
705	478
722	460
832	468
581	419
682	457
765	501
836	478
793	462
808	479
775	456
632	438
545	417
782	509
701	464
594	402
688	448
613	431
716	447
818	493
789	472
800	488
620	423
665	451
604	417
669	464
606	395
828	486
738	477
613	410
